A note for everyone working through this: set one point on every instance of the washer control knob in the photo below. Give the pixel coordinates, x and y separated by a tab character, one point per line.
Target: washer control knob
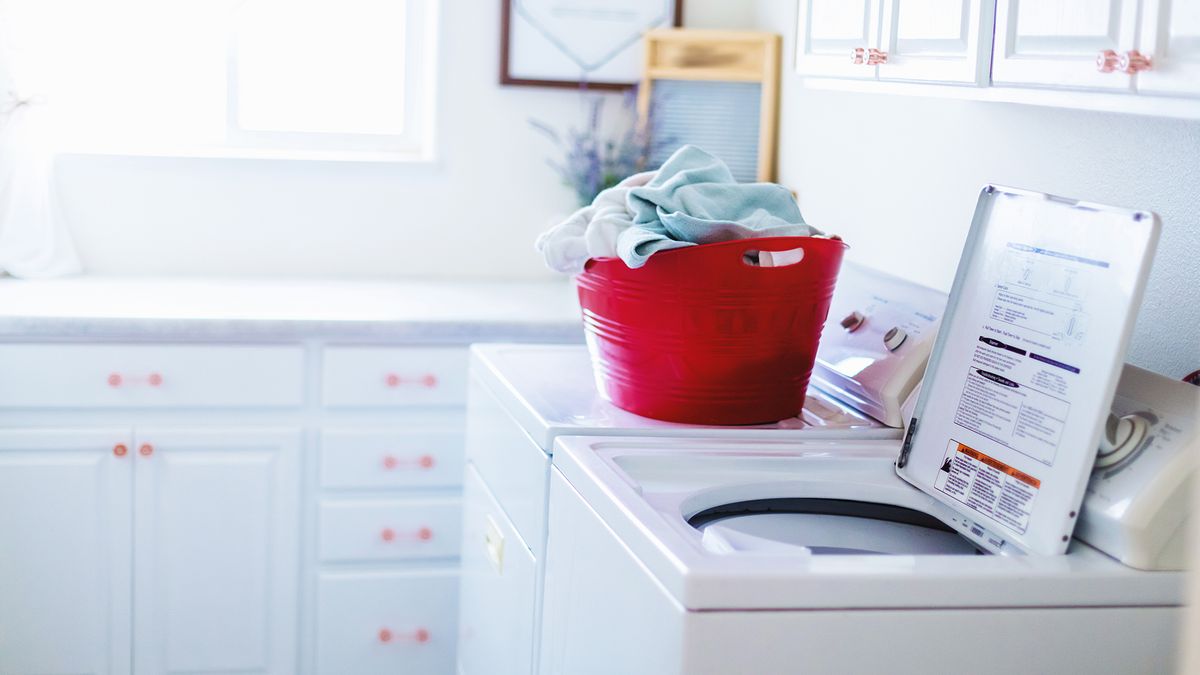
853	321
1122	435
894	338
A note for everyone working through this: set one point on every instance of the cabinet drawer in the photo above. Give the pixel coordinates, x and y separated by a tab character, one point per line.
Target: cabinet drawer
399	376
389	529
150	376
387	622
391	459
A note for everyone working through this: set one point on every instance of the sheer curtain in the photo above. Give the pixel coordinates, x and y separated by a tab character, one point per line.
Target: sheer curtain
34	240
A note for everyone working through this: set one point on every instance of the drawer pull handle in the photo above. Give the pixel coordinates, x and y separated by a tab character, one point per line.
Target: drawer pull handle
876	57
423	462
856	56
116	380
420	635
428	380
146	450
389	535
120	450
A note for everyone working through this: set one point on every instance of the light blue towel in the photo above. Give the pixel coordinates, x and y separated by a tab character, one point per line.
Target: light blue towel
694	199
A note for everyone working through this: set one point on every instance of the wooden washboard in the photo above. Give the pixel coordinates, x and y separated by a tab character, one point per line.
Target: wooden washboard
715	89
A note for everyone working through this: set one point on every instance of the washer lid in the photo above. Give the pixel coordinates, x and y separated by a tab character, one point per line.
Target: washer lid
1025	365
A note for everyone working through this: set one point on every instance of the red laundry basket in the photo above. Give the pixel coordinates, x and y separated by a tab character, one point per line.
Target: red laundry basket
699	335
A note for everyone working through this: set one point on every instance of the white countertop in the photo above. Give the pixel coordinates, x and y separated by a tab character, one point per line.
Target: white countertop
411	311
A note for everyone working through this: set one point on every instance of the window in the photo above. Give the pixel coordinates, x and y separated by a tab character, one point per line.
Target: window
253	77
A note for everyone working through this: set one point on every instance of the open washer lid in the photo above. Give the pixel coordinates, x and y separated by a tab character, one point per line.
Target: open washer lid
1018	386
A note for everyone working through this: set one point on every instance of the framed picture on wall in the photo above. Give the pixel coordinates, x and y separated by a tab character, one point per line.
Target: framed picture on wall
572	43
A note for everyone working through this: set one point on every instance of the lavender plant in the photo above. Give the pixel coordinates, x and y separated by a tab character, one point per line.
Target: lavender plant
595	159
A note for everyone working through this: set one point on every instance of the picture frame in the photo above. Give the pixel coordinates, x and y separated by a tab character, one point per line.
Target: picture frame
594	44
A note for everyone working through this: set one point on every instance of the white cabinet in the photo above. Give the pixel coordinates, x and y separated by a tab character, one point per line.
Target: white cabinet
1134	56
377	623
216	557
1057	42
65	548
160	551
833	35
82	376
168	540
936	40
1170	37
897	40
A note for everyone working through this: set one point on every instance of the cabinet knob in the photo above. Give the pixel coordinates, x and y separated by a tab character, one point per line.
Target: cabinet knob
390	462
1106	61
387	534
876	57
114	379
146	450
1133	62
856	55
385	635
424	534
421	635
120	450
154	379
426	461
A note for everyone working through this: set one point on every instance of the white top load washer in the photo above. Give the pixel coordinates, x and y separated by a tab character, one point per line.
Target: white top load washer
521	398
822	557
685	556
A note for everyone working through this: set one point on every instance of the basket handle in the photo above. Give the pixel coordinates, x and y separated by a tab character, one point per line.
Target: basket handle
777	252
773	252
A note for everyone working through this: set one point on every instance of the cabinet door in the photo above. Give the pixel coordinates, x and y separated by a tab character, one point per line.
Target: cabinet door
65	546
937	40
215	556
1056	42
1171	38
828	33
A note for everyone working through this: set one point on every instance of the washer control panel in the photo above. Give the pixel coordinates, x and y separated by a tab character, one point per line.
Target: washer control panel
877	341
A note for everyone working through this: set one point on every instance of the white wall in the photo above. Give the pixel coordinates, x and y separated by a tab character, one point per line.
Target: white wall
898	178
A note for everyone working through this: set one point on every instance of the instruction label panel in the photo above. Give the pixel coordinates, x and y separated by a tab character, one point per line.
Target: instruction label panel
1022	376
987	485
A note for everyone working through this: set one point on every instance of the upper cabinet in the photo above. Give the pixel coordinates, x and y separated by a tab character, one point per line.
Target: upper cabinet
936	40
1064	43
1124	55
831	31
898	40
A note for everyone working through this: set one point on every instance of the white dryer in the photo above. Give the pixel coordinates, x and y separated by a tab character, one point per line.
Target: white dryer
522	397
681	556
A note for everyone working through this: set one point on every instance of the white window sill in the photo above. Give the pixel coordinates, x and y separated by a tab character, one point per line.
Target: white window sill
272	154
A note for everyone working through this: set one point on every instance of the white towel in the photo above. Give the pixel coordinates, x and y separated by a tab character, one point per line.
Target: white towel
591	232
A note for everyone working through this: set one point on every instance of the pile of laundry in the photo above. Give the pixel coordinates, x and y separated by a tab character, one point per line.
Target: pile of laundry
692	199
